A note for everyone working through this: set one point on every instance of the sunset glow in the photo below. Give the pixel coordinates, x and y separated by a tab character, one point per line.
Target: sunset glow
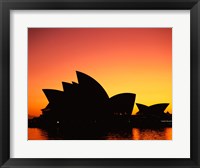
135	60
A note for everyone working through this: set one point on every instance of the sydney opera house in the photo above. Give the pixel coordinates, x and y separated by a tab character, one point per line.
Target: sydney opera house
156	110
153	115
86	105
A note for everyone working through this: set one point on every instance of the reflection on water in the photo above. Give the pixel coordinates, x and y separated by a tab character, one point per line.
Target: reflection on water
37	134
40	134
135	134
152	134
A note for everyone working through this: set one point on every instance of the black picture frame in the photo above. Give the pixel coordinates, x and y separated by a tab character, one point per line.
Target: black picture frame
7	5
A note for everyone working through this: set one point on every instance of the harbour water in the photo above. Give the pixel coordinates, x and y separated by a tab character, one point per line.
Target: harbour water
135	134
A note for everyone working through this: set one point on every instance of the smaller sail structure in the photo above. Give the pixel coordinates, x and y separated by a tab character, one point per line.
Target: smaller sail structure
153	110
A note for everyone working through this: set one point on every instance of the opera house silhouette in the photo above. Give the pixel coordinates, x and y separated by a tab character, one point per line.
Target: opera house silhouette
153	115
85	103
156	110
86	106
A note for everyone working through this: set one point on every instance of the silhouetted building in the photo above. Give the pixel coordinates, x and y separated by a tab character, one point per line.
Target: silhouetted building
85	102
86	108
156	110
152	116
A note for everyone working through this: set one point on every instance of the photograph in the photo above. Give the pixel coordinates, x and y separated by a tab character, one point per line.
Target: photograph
92	83
100	83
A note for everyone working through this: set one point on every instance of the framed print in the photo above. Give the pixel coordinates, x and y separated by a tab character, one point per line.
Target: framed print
99	83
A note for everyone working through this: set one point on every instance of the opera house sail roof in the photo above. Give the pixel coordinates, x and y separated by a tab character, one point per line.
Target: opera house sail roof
87	100
156	109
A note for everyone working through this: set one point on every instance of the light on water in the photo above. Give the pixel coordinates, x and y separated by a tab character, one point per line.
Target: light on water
37	134
135	134
152	134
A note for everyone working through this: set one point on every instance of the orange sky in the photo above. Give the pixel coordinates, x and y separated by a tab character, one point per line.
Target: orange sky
136	60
